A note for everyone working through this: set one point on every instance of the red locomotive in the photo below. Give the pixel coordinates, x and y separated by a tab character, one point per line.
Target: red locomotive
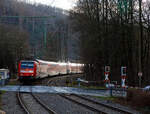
28	69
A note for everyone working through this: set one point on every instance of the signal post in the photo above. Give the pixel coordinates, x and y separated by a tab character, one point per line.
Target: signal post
107	74
123	76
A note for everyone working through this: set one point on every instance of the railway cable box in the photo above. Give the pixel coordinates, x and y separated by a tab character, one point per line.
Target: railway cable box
4	76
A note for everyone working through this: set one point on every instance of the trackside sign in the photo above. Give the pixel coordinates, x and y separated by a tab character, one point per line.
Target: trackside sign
140	74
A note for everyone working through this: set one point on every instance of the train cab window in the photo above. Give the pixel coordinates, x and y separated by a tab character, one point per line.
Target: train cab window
27	64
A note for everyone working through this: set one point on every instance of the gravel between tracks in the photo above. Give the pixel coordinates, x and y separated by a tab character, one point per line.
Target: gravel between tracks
10	103
112	104
63	106
91	104
33	105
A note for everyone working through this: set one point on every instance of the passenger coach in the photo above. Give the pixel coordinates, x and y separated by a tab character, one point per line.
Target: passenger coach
30	70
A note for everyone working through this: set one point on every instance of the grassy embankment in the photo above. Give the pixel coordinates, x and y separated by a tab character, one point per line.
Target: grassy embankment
13	82
1	93
136	99
83	86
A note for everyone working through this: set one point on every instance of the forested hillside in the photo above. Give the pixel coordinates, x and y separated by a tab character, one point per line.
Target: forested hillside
114	33
34	30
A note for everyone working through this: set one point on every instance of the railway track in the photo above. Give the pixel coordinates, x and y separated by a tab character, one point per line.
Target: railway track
48	80
108	106
22	102
95	106
53	80
31	104
82	104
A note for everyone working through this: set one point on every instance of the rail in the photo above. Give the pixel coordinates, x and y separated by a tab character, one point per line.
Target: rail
84	105
22	103
26	108
108	106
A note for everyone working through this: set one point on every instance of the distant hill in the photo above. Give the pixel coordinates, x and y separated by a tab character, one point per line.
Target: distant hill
55	28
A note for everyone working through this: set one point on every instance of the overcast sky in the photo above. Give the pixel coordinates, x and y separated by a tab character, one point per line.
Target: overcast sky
65	4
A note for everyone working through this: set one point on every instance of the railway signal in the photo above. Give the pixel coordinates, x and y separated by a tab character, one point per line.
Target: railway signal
123	76
107	74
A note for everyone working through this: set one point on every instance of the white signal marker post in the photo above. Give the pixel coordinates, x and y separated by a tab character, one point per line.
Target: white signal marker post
140	78
107	74
123	76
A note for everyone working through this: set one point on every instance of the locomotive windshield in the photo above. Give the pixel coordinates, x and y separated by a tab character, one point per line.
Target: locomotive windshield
27	64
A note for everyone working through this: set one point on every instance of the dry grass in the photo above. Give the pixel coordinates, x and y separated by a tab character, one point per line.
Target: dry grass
1	93
137	99
13	82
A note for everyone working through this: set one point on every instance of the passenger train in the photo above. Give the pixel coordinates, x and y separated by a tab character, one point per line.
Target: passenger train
33	69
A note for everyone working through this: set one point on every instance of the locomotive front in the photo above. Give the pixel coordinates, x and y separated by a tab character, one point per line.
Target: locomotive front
27	70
